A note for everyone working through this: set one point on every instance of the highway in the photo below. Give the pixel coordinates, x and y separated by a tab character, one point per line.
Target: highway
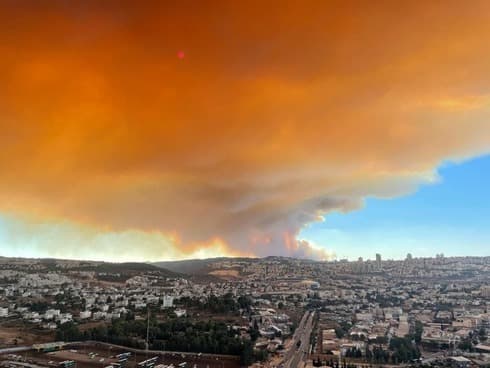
295	353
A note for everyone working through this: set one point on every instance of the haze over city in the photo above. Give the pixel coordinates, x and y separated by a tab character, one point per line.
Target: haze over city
145	131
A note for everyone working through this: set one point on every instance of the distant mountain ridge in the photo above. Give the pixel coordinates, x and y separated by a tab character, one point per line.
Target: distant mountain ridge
135	267
204	266
126	268
196	266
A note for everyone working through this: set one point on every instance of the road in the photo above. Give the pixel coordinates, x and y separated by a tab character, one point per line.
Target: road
17	349
302	335
296	337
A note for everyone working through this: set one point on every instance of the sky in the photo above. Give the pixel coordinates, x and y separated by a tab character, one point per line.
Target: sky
166	130
450	216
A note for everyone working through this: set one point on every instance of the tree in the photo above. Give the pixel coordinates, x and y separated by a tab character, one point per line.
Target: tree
246	357
68	332
419	329
260	355
339	332
403	349
466	345
369	354
482	333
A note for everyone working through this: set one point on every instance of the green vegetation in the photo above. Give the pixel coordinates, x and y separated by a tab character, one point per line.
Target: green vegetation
401	350
404	350
178	334
39	307
466	345
342	329
218	304
384	301
482	334
419	329
378	355
353	353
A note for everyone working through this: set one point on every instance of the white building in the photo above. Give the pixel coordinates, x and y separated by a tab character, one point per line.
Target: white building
51	313
168	301
485	291
85	314
180	312
4	312
99	315
378	262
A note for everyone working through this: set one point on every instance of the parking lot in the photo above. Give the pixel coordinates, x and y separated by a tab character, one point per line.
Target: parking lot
89	356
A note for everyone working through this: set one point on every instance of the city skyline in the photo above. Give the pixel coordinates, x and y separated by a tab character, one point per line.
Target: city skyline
441	217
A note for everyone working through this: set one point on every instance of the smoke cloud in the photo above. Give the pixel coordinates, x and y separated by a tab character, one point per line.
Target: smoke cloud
277	115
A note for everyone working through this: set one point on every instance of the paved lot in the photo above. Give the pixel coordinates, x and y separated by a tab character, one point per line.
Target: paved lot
104	354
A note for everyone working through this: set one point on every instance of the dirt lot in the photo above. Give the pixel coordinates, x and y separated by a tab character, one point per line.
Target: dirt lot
226	274
92	324
17	333
103	358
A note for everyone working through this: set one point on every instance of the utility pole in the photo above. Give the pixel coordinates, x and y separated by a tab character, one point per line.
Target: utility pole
147	330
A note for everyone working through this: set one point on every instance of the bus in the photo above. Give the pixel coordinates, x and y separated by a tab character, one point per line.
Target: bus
123	355
148	363
67	364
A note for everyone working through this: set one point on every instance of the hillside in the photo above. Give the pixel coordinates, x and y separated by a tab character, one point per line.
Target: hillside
135	268
124	269
199	266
